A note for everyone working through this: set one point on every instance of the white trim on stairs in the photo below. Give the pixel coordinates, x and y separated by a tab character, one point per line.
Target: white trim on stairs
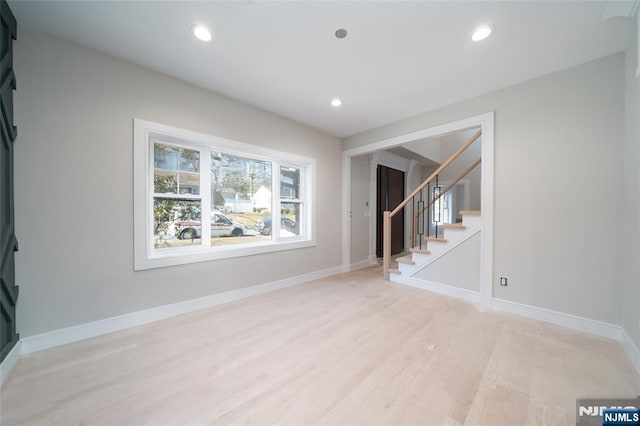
450	246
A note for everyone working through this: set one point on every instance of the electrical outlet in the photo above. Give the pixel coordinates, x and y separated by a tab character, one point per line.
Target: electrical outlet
503	281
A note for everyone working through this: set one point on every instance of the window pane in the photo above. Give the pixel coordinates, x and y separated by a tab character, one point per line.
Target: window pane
236	228
176	223
176	170
290	219
289	182
189	160
241	198
437	205
165	181
237	181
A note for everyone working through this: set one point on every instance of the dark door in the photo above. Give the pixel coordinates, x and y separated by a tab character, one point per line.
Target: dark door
8	242
390	190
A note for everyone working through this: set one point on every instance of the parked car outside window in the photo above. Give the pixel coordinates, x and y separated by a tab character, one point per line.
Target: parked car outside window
221	226
264	226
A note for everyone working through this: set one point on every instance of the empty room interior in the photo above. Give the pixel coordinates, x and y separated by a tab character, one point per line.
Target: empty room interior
315	212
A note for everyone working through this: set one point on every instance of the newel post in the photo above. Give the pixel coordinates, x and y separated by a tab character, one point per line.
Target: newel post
386	244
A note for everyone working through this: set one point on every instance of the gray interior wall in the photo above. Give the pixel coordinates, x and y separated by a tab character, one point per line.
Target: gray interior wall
630	234
450	144
551	134
430	148
459	267
427	171
360	207
74	206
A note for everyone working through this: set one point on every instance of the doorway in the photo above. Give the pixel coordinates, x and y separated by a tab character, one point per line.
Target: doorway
486	122
389	194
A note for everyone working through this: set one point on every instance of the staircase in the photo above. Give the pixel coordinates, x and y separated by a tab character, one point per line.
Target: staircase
425	211
433	248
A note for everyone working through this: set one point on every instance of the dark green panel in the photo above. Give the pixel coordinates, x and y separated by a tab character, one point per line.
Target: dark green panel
8	243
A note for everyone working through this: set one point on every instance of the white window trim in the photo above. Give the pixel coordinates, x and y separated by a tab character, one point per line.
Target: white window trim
144	255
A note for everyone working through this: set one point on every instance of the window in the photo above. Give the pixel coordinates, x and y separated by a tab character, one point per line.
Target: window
199	197
291	204
441	210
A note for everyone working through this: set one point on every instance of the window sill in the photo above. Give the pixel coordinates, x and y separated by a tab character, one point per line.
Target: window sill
185	256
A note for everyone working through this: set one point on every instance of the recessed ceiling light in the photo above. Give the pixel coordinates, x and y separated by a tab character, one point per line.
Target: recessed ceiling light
341	33
481	33
201	32
336	102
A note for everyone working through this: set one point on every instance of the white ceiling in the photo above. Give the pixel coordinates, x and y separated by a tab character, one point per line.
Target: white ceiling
399	59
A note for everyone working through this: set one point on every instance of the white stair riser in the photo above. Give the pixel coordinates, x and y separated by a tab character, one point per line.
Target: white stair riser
454	237
471	221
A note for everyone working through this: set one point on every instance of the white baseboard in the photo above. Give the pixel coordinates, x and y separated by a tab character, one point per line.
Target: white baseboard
9	362
457	292
363	264
84	331
573	322
96	328
631	349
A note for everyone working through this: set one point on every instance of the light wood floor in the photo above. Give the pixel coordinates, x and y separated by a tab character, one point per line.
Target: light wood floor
351	349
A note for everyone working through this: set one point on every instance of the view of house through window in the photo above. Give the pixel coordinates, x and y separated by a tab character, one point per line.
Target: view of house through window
176	198
204	197
241	199
291	205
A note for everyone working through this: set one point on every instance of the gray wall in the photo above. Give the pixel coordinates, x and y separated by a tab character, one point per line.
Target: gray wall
439	149
360	211
558	156
630	234
460	267
74	206
450	144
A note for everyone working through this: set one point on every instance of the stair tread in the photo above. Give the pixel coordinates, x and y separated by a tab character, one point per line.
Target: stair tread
456	226
394	271
436	240
420	250
407	260
470	212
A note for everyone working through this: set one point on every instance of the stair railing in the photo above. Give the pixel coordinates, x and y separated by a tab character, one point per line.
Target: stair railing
420	206
420	211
